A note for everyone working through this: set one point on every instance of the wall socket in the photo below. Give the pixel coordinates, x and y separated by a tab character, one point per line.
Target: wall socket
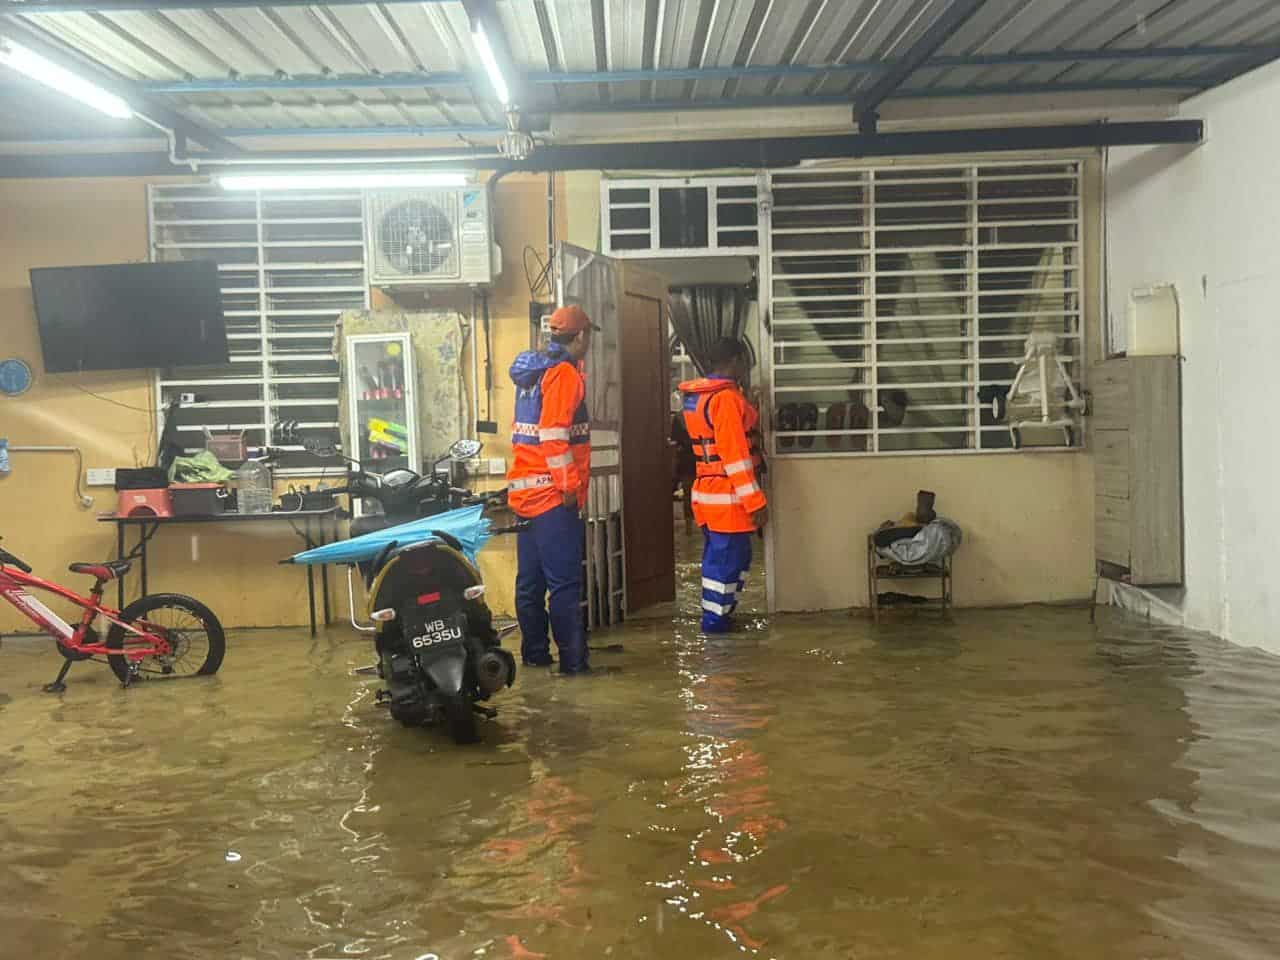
100	477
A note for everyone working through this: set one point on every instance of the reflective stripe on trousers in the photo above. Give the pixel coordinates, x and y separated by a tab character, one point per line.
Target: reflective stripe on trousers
725	559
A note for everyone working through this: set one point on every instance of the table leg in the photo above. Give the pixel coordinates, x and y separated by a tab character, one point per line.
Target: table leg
120	556
324	578
142	547
311	581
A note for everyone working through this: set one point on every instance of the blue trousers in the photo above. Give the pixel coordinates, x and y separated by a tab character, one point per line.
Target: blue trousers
725	559
549	559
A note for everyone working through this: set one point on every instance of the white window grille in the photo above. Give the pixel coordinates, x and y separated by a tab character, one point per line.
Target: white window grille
900	298
290	264
680	217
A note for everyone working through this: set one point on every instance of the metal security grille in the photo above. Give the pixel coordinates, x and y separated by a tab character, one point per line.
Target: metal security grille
900	298
680	217
290	264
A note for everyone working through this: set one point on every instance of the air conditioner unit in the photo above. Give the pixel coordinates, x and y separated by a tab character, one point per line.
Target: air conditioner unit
421	238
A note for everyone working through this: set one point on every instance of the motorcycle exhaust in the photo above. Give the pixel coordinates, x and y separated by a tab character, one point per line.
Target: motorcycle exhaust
493	671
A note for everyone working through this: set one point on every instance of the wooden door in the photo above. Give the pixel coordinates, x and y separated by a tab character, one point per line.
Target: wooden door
646	455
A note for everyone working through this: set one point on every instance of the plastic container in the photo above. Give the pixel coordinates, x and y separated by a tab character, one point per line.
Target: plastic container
253	487
144	503
227	447
198	499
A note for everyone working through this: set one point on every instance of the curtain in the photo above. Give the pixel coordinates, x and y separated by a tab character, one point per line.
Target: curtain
702	314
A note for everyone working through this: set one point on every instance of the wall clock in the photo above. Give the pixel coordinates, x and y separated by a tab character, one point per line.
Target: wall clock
15	377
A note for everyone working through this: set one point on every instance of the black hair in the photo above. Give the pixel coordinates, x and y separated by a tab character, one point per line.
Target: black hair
724	352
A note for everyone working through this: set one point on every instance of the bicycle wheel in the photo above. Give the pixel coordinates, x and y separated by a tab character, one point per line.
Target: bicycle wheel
193	632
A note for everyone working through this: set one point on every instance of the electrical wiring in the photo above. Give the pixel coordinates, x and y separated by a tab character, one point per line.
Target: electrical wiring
539	285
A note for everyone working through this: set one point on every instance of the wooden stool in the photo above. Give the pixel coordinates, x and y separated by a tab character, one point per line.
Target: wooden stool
878	568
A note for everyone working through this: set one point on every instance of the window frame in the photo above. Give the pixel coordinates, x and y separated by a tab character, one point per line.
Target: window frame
356	295
654	185
974	166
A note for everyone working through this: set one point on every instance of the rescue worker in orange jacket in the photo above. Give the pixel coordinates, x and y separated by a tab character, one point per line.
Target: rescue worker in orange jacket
547	484
728	502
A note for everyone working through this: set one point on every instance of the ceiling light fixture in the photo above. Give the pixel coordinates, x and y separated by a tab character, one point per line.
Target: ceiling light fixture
331	181
19	58
491	63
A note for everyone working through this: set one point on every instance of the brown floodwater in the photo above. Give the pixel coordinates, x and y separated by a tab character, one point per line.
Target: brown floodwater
1013	784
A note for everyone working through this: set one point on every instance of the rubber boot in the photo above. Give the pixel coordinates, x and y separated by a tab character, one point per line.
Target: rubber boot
924	507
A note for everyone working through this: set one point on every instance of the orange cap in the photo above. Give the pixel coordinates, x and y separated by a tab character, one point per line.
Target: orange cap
570	319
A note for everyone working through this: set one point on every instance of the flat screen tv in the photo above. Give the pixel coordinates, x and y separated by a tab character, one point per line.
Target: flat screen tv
129	315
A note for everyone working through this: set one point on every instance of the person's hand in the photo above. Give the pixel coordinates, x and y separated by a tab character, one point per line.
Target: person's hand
760	518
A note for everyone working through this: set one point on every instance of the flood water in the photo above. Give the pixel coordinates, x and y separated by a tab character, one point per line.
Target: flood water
1001	785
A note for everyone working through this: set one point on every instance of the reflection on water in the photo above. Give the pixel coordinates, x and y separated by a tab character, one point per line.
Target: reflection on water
1004	784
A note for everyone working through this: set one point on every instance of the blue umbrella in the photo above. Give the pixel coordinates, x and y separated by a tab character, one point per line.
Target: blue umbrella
468	526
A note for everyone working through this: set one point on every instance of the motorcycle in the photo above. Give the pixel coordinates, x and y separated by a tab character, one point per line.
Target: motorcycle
438	651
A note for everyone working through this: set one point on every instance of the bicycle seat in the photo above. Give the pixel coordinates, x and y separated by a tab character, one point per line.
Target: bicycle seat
108	570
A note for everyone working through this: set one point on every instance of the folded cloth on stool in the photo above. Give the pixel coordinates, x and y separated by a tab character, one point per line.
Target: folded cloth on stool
932	543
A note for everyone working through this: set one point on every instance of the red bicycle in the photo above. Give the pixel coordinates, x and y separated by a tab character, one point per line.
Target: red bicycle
163	635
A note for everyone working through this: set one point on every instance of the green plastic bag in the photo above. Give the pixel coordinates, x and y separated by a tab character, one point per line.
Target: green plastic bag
201	467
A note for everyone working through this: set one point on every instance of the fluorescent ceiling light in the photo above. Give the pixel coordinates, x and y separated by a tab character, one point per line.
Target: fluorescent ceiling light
491	64
329	181
36	67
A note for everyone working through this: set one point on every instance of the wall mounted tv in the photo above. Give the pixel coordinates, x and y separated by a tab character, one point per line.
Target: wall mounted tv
129	315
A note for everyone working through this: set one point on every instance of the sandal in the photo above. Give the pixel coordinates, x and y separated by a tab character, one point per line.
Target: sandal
808	421
835	421
788	420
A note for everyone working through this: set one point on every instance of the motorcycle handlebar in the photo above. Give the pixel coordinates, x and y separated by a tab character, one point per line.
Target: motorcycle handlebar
513	528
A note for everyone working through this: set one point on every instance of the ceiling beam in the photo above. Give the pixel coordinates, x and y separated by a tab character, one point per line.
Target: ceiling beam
761	153
138	99
787	151
1108	55
151	6
937	33
393	81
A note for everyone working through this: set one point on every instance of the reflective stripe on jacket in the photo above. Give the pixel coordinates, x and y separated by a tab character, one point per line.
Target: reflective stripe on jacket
719	420
551	436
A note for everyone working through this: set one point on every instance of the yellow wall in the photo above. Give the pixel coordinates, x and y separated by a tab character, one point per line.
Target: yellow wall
69	222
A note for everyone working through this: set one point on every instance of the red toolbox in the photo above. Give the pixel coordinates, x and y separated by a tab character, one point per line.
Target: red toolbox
144	503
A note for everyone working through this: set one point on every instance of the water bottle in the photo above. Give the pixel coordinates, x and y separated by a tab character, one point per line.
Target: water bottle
253	486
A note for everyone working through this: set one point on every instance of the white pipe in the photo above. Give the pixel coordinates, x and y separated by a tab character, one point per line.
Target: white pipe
475	372
82	498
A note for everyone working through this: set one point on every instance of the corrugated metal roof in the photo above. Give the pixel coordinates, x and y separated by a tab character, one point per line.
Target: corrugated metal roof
283	67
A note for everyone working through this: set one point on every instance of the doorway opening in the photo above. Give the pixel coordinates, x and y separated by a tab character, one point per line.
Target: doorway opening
715	295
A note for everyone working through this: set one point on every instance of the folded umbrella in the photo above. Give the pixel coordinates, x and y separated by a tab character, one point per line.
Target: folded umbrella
467	525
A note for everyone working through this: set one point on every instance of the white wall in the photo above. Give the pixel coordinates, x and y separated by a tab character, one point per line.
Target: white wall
1208	220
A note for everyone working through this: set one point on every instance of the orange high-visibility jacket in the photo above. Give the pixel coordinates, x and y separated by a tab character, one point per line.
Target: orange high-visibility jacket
719	420
551	436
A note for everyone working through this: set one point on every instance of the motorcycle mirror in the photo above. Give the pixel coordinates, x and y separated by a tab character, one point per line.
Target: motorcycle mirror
465	450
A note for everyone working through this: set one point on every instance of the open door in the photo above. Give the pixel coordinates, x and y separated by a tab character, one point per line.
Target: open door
646	482
594	282
630	553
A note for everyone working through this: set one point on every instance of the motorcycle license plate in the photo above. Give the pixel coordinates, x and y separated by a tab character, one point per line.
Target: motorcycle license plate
435	634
